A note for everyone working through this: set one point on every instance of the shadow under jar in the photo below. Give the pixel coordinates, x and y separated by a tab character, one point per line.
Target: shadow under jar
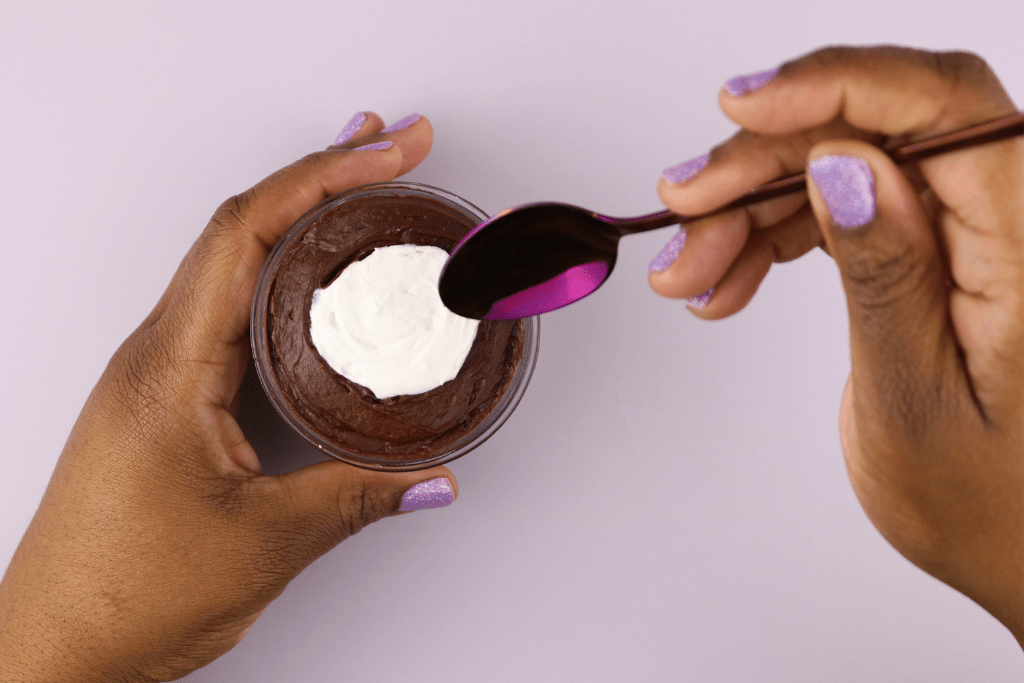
340	417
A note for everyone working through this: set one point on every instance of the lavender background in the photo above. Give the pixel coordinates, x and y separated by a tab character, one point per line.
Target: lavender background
668	503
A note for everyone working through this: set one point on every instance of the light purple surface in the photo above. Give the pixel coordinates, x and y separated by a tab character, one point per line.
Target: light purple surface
561	290
668	503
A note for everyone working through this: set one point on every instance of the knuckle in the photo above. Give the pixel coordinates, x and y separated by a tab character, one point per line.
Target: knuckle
969	80
279	554
236	212
833	55
139	373
360	508
311	164
960	66
881	282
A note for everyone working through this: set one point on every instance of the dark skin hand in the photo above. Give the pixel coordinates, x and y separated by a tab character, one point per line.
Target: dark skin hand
932	420
158	541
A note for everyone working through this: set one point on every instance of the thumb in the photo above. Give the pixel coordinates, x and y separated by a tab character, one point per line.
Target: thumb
315	508
903	351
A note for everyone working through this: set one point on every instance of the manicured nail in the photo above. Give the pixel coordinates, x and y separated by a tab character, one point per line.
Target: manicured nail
750	82
701	301
402	123
432	493
351	128
669	253
686	170
848	188
375	146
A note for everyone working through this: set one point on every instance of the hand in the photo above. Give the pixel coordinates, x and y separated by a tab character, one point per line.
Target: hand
931	257
158	541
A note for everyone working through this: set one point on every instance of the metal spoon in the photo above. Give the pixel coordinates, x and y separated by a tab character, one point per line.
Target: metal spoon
535	258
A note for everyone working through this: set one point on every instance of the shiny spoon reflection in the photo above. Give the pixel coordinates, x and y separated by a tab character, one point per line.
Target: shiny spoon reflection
539	257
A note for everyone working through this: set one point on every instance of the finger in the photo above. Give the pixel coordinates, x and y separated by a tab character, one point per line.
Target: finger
361	124
786	241
891	90
905	366
311	510
909	94
413	133
713	245
209	298
706	250
270	208
741	163
906	94
203	318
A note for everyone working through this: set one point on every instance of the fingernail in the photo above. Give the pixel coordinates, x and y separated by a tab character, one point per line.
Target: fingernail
669	253
701	301
351	128
687	169
402	123
433	493
848	188
750	82
375	146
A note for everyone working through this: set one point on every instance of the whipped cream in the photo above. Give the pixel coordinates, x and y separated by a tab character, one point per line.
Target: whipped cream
381	323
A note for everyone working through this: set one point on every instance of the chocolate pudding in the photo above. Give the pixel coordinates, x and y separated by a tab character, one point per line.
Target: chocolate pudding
341	417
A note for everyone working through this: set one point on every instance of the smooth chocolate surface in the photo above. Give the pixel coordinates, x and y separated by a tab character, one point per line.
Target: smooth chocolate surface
402	428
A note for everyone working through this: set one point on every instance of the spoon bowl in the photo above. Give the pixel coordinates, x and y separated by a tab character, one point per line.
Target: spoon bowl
539	257
529	260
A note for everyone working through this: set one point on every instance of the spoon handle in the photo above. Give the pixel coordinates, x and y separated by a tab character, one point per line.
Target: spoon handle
998	129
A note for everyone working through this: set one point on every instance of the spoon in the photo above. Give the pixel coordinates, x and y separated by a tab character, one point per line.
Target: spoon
535	258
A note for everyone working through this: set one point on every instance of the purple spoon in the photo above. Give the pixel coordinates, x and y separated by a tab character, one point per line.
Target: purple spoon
535	258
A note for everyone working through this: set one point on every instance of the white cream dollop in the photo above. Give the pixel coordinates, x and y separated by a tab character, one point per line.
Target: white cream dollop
381	323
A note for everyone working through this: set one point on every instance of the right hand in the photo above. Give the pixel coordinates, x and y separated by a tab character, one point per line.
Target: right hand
932	263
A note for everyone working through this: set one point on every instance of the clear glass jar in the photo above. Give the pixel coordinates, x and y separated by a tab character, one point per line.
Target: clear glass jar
315	422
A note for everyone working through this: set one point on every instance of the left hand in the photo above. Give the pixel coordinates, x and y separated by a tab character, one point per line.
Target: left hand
159	542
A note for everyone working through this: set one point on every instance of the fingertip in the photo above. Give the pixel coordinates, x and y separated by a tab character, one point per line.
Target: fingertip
431	492
698	256
844	200
415	141
374	123
374	161
739	285
362	124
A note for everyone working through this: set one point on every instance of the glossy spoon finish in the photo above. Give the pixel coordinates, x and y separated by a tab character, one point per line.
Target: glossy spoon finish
535	258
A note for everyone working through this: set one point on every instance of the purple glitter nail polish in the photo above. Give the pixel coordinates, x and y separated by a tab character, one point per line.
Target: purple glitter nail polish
375	146
669	252
686	170
701	301
351	128
433	493
402	123
848	188
750	82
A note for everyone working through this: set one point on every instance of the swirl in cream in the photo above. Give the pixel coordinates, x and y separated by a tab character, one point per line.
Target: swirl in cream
381	323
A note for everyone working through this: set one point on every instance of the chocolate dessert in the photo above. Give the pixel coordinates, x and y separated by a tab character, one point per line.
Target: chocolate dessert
341	417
